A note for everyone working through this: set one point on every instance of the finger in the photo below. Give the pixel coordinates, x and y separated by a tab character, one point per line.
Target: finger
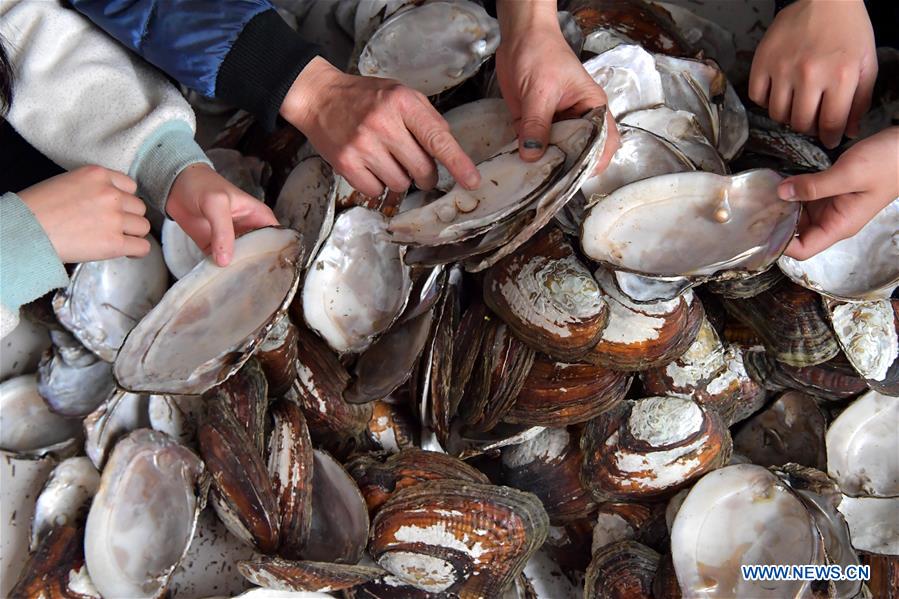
217	210
815	186
387	169
134	225
135	246
842	218
613	142
414	161
432	132
365	182
537	111
132	204
804	109
835	107
122	181
861	101
759	83
254	216
779	101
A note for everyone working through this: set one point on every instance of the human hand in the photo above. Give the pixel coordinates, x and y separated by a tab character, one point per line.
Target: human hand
211	210
541	78
89	214
815	68
842	199
374	132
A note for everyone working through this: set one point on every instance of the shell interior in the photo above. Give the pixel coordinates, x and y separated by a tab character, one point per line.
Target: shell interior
481	127
65	497
628	75
682	130
27	426
208	323
181	253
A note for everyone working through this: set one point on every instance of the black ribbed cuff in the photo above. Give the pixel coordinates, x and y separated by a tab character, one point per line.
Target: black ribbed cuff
262	65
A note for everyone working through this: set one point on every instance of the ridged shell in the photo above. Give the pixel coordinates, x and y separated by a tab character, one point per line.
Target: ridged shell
469	539
392	427
746	286
868	333
832	380
55	569
622	569
548	297
278	355
246	394
322	577
290	470
789	430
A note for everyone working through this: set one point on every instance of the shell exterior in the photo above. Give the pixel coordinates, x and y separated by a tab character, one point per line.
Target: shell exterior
432	47
622	569
72	380
64	498
106	299
548	297
644	336
682	130
391	427
306	203
560	393
741	515
746	286
55	569
340	524
27	426
246	394
862	447
133	552
246	172
278	356
549	466
242	492
379	478
358	285
642	522
791	322
714	40
862	267
446	536
627	73
119	415
832	380
290	470
652	447
736	223
868	334
642	22
323	577
184	345
790	430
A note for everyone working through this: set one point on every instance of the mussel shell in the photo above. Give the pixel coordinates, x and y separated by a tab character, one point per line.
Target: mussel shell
65	498
622	569
460	537
628	75
246	394
283	575
548	297
481	127
28	427
181	253
833	380
682	130
249	173
278	356
866	517
55	569
645	23
392	427
746	286
119	415
306	203
73	388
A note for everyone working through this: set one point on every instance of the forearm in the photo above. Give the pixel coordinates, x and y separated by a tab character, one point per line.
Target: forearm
517	17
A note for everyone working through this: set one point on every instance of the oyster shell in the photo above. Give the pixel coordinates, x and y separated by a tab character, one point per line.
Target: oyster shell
28	427
180	252
652	447
863	448
481	127
735	223
432	47
445	536
628	75
862	267
307	203
358	285
106	299
548	297
143	517
207	325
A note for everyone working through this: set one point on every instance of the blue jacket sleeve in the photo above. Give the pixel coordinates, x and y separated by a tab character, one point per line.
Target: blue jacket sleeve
239	51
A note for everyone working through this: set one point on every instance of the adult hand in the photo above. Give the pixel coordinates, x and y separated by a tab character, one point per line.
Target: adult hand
815	68
90	214
374	132
211	210
541	78
842	199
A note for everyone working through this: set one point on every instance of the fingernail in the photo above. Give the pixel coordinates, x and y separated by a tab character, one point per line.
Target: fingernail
532	144
222	258
787	192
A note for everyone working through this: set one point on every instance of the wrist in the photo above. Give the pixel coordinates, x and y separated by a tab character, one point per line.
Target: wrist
297	105
517	18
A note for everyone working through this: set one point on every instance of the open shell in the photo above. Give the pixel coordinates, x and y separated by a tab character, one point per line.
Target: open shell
180	252
481	127
628	75
306	203
28	427
65	498
207	325
72	380
283	575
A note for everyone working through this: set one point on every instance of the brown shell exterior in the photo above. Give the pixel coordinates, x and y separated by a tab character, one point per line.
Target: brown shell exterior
665	585
467	342
505	525
46	573
650	26
647	520
677	334
569	546
548	254
239	477
556	482
279	363
391	419
622	570
290	447
833	380
442	362
246	393
600	472
791	322
884	583
747	286
559	394
304	576
380	479
789	430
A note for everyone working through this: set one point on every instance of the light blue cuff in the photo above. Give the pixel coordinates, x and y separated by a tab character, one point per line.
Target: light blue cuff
161	158
29	266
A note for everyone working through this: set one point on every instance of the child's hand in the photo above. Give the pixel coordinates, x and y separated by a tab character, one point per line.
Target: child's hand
210	209
815	68
90	214
846	196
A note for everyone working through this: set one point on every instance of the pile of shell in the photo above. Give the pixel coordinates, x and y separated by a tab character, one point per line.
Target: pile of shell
561	381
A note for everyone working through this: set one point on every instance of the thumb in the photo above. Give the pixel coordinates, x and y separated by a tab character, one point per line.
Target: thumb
814	186
537	112
216	208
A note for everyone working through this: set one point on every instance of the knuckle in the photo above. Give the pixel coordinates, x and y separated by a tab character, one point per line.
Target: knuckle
438	141
93	171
